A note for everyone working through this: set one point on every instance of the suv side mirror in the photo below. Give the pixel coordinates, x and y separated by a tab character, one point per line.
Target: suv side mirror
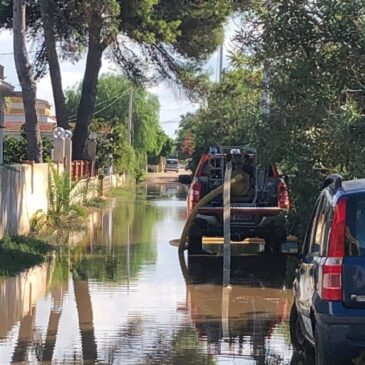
291	247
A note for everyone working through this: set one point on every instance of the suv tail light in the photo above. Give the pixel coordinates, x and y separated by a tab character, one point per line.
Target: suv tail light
283	195
196	188
330	270
330	279
336	243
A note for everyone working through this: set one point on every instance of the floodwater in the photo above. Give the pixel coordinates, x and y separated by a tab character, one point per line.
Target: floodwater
120	297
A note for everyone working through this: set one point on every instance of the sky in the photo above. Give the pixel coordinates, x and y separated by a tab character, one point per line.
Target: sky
173	104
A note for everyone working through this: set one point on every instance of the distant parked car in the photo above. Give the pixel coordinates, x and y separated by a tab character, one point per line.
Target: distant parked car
329	288
172	164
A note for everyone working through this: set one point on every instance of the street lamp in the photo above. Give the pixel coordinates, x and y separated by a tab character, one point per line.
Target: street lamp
58	132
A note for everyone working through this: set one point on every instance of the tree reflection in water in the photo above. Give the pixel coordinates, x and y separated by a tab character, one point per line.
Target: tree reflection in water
114	253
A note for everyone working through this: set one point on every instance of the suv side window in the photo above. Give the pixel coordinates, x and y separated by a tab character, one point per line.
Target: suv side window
321	228
311	230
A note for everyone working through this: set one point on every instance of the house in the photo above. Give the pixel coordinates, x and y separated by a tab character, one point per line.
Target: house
14	115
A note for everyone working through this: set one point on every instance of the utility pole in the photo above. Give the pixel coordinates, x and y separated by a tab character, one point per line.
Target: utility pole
130	116
221	49
266	93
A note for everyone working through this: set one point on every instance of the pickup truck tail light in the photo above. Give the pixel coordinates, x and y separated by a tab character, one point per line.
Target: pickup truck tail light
283	195
330	270
196	188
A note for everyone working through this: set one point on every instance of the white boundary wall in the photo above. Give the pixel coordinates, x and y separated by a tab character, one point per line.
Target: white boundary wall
23	191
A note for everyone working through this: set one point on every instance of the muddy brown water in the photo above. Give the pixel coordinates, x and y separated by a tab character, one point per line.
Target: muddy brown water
120	297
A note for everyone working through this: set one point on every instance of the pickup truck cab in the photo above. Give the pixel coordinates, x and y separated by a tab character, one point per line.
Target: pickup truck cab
259	205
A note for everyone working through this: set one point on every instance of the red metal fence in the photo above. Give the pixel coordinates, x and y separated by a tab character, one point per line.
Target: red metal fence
82	169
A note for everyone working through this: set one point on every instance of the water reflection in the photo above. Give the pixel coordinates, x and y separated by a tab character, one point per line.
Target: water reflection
119	297
303	358
163	191
247	321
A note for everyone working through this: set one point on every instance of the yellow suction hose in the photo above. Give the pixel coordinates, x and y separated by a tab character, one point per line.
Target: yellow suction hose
206	199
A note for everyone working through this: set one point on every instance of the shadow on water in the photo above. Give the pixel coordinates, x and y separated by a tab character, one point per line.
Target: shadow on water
252	270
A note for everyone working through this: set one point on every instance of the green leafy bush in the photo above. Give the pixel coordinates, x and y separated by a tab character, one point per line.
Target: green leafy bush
21	252
15	149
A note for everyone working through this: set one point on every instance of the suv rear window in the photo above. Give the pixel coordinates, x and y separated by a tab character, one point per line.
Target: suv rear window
355	227
172	162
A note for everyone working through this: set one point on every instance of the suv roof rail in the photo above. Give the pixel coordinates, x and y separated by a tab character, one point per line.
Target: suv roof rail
335	180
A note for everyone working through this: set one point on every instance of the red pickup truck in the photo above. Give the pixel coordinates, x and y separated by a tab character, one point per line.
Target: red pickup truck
259	206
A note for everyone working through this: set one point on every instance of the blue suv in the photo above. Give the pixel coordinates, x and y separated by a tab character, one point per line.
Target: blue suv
328	313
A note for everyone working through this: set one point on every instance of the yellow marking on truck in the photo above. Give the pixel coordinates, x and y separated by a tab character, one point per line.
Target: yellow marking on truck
220	241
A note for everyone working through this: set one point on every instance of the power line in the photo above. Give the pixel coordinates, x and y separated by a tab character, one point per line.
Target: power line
116	97
12	53
30	51
113	102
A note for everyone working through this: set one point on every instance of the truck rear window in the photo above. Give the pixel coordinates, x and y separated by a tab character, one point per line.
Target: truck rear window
355	227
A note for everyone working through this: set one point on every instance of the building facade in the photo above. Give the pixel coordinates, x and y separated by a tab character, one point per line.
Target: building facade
14	115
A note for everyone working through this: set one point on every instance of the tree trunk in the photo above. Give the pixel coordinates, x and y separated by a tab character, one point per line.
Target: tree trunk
47	13
53	324
29	90
25	338
86	323
86	108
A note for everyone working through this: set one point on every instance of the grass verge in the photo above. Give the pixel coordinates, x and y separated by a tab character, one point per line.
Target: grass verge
22	252
123	191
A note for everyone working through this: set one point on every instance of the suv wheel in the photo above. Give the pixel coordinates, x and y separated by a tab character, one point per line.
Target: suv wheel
297	338
323	355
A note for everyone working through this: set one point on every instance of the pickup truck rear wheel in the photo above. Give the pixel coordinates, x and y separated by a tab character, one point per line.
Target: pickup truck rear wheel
273	245
195	240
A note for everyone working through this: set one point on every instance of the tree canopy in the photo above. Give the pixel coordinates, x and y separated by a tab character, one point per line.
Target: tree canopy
149	39
110	122
312	54
228	115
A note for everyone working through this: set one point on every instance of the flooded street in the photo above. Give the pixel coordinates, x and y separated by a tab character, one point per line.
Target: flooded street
120	297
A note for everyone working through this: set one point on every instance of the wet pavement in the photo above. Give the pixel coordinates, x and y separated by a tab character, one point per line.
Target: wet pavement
121	297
